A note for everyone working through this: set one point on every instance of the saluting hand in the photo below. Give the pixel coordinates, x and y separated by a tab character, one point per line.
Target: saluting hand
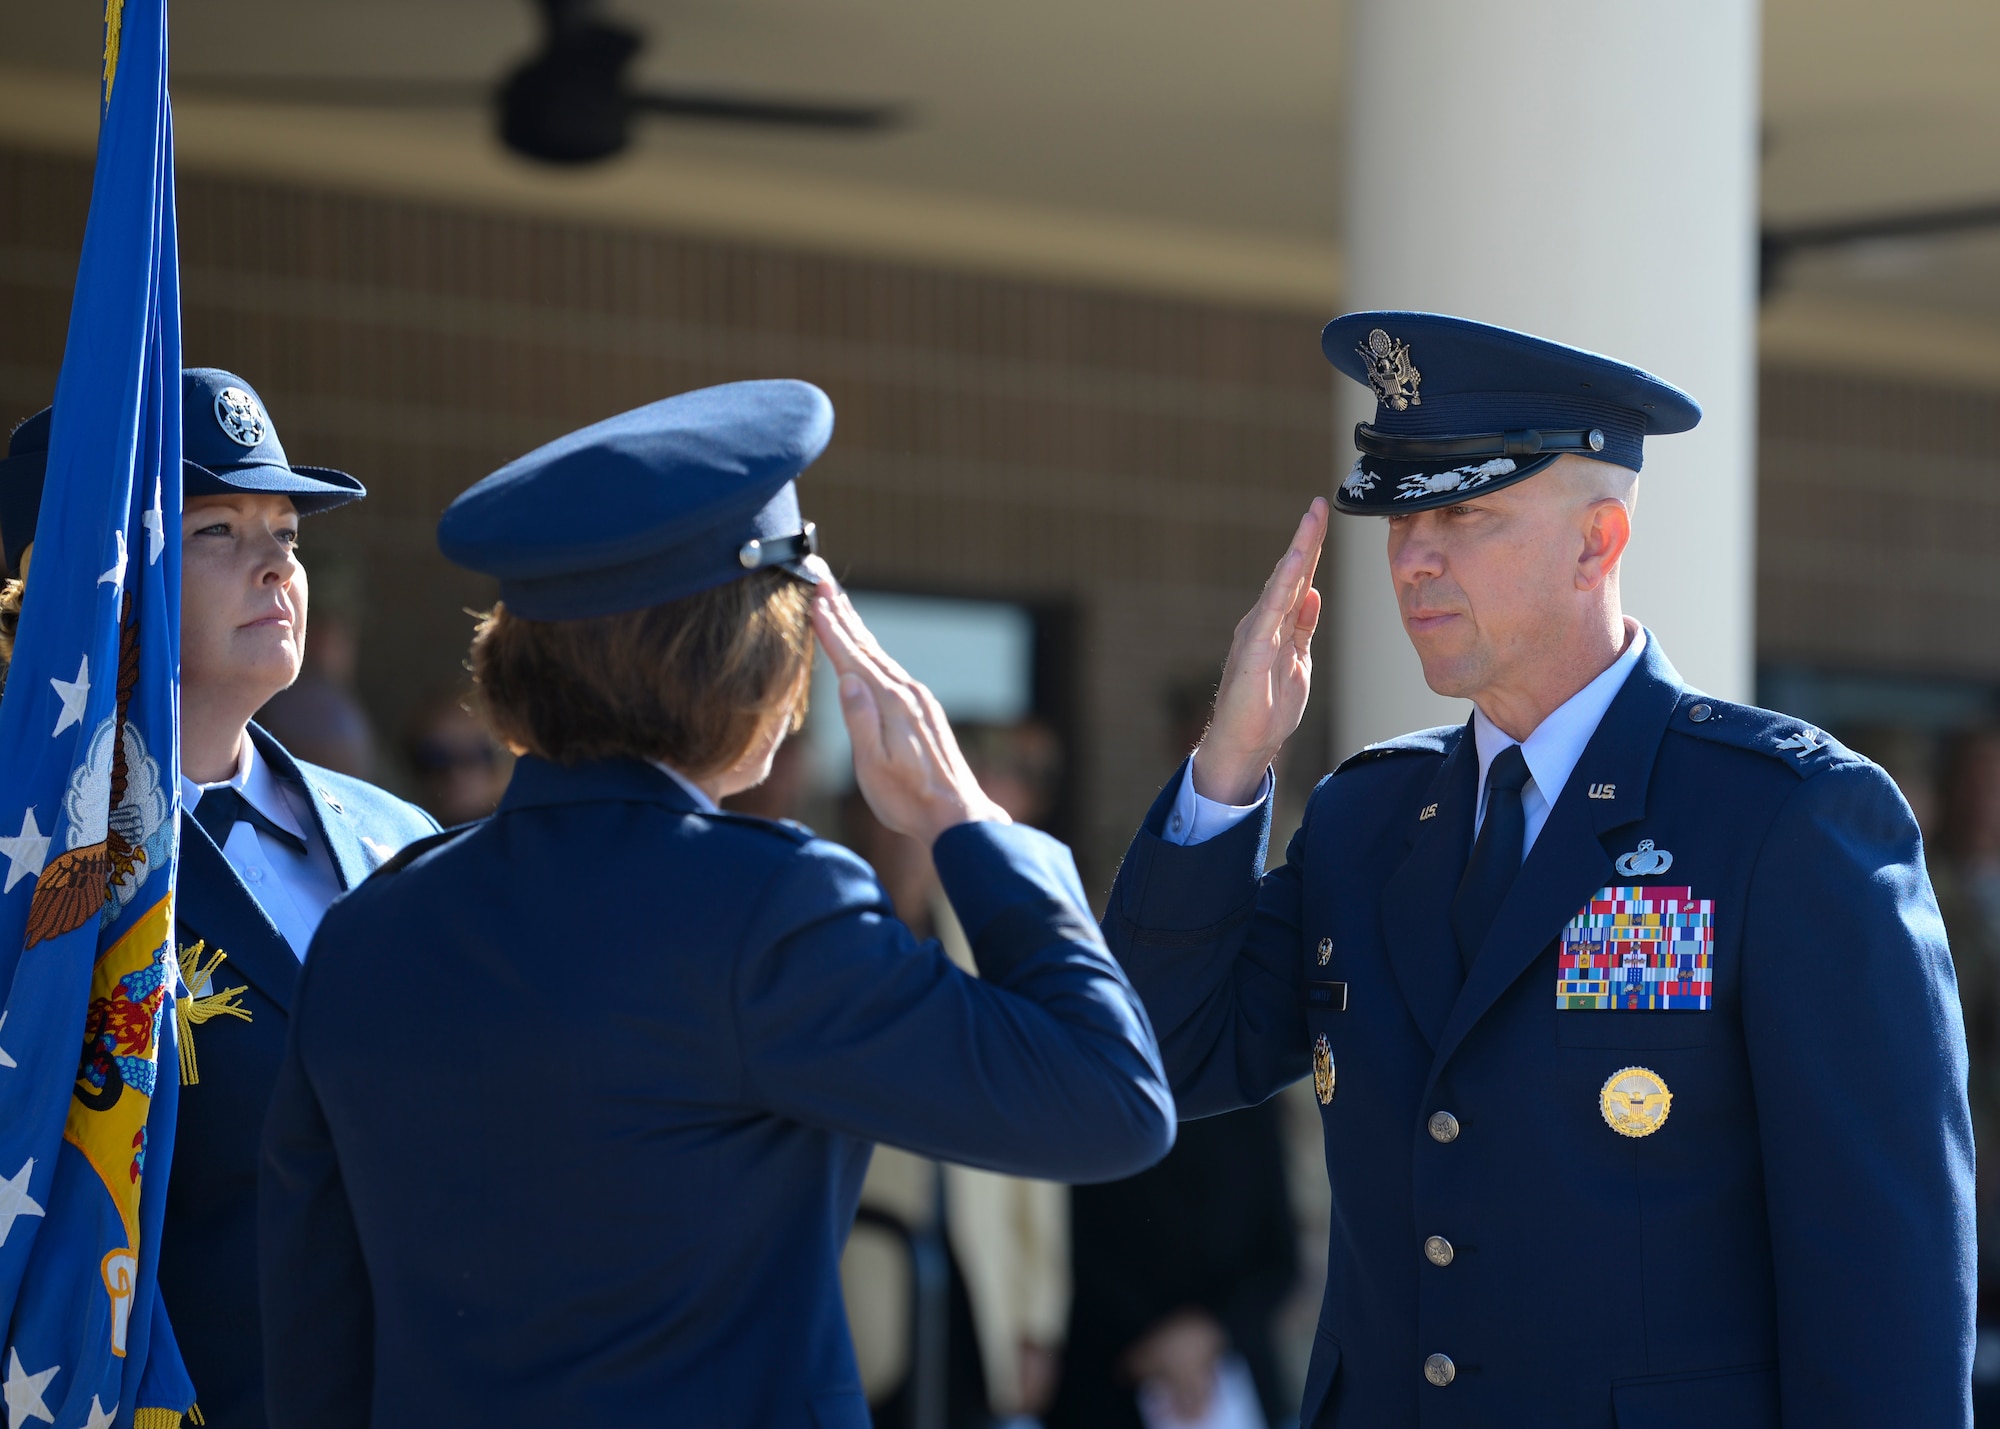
906	758
1268	676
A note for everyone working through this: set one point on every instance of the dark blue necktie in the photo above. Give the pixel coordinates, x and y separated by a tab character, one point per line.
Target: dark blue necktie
1496	854
220	808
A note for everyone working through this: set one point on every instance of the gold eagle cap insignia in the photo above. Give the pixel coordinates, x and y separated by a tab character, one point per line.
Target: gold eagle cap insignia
1391	372
1635	1101
1323	1071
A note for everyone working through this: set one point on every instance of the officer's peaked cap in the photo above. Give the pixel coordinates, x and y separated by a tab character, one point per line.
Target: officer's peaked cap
654	504
1463	407
228	444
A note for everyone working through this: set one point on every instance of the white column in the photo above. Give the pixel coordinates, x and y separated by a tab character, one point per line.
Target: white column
1584	170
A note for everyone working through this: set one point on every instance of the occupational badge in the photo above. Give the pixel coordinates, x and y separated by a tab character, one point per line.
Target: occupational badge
1638	948
236	413
1323	1071
1644	859
1390	371
1635	1102
1325	951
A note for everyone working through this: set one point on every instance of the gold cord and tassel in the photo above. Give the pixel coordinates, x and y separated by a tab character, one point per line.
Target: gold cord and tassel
165	1418
191	1011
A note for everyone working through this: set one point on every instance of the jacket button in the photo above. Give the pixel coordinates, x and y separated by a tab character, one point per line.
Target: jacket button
1439	1370
1443	1126
1699	713
1438	1251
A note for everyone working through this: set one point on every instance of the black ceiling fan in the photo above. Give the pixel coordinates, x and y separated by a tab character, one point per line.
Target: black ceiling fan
573	100
1777	245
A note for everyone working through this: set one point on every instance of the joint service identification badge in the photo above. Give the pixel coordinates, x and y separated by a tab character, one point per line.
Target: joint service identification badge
1635	1102
1323	1071
1638	948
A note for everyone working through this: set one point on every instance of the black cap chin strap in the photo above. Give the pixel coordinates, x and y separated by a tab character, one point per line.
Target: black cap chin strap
787	551
1526	442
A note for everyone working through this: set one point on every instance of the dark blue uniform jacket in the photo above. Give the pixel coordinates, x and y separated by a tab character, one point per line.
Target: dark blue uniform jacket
208	1248
1792	1246
592	1152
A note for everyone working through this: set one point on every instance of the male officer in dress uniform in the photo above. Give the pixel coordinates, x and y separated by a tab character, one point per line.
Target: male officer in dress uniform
267	843
1628	1009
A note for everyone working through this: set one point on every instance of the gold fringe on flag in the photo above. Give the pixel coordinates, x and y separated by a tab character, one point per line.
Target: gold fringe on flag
190	1012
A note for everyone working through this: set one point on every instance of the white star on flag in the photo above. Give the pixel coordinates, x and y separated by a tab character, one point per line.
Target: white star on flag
5	1060
156	533
116	575
100	1417
24	1392
25	853
15	1200
72	693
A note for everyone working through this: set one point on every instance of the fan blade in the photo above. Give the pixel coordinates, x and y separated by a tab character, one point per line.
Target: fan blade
341	91
1776	246
744	109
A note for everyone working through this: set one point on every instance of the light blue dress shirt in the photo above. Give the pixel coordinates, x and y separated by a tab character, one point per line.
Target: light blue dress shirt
294	889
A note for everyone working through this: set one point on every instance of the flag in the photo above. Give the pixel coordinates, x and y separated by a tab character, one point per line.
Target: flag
89	792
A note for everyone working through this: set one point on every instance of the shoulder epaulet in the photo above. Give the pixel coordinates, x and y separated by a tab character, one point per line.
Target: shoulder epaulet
1441	740
409	853
1801	747
790	830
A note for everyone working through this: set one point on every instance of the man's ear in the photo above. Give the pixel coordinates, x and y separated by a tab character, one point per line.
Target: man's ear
1607	532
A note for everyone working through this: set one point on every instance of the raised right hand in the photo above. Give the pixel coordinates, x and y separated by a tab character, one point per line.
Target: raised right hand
906	758
1264	685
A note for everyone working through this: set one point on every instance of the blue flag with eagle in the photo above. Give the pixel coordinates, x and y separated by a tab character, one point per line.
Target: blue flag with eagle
89	784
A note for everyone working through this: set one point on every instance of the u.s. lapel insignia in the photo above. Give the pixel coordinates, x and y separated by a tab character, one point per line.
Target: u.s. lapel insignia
1325	951
1390	371
1429	811
1645	860
1323	1071
1635	1101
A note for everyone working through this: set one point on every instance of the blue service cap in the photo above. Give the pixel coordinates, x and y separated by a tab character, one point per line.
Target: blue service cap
651	505
228	444
1463	407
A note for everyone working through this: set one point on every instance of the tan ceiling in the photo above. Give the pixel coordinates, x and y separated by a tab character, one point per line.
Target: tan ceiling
1173	143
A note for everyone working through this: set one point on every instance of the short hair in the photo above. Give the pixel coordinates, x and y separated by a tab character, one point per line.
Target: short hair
691	682
10	625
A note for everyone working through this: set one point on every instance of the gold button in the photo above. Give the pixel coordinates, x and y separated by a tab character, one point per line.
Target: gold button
1443	1126
1438	1251
1439	1370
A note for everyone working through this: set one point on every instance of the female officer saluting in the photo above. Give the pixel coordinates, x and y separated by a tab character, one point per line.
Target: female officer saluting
267	842
579	1100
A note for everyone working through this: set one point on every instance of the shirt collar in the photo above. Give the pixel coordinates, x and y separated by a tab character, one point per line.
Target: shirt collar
1555	745
255	780
701	800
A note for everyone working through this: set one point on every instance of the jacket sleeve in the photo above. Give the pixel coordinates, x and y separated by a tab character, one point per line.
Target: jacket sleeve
317	1308
1857	1056
1043	1066
1211	942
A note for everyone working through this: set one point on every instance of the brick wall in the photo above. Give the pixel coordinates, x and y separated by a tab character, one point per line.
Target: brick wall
1878	525
1136	461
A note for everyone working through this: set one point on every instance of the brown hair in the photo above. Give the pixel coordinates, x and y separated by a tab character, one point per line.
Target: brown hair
10	624
691	682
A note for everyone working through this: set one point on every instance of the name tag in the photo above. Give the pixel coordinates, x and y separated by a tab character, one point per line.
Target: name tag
1329	995
1640	948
